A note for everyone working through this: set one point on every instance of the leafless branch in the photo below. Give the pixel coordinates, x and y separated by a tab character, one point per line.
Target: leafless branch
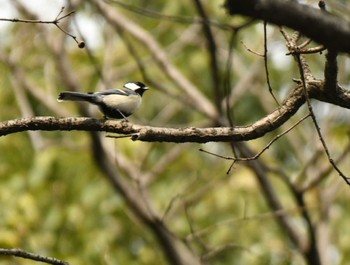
212	52
250	50
176	251
266	64
16	252
199	240
272	198
331	72
307	77
236	159
331	161
55	22
320	26
324	172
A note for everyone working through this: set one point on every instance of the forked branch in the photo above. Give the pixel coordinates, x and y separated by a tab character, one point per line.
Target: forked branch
55	22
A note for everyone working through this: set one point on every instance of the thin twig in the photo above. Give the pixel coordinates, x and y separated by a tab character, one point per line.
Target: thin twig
250	50
16	252
59	13
263	150
318	130
266	65
55	22
199	239
227	79
324	172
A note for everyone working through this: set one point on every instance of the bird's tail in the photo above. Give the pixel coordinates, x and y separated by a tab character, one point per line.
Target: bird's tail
75	96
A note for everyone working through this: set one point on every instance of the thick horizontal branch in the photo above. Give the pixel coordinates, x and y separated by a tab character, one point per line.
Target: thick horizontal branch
159	134
143	133
318	25
181	135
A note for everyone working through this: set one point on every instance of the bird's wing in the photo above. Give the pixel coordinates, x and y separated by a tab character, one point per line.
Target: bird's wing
121	92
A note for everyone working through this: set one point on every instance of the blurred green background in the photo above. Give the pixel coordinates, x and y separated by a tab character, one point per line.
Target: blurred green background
56	202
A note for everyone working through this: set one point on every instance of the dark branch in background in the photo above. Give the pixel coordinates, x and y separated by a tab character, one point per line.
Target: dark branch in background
56	21
227	80
311	251
266	64
272	198
325	28
173	247
31	256
331	72
331	67
212	51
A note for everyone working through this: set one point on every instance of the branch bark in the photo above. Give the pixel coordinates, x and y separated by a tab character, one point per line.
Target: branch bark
318	25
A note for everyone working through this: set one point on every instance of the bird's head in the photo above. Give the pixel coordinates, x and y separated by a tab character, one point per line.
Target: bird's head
137	86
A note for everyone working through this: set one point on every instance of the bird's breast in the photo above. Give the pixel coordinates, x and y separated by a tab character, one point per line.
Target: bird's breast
125	104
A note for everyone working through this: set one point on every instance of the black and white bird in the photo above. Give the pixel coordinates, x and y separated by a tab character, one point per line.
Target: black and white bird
113	103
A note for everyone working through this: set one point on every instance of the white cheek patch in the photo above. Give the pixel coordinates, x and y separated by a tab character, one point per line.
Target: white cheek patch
132	86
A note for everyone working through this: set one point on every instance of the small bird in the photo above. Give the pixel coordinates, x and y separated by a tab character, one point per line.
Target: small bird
113	103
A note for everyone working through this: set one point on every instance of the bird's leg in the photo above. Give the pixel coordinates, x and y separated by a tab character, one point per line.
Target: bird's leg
124	118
